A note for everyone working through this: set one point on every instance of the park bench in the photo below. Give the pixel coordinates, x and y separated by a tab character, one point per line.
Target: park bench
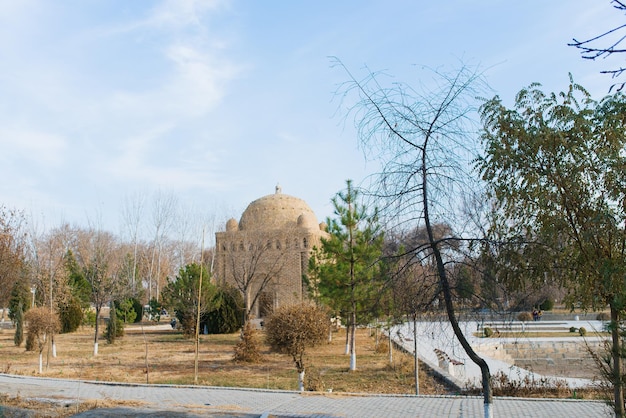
452	366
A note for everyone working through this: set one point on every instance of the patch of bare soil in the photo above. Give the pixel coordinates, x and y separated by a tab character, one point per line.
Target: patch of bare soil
159	354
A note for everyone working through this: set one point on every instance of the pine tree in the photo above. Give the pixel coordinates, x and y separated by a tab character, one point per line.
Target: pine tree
19	326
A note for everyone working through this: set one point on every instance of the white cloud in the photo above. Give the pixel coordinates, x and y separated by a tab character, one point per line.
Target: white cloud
38	148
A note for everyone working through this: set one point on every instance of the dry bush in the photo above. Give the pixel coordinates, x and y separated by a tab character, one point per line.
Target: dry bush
292	329
42	323
525	317
382	347
247	349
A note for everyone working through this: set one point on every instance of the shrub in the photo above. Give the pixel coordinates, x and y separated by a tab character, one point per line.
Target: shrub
582	331
71	315
138	308
603	316
18	338
30	341
573	329
487	332
90	318
226	318
524	316
247	349
547	305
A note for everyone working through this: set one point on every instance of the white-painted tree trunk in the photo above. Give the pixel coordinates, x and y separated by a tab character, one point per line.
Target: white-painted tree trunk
353	361
301	381
54	348
40	362
488	410
95	349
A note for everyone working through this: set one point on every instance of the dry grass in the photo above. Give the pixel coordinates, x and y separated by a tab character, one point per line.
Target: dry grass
171	361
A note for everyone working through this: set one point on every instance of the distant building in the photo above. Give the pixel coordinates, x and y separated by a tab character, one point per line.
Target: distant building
271	242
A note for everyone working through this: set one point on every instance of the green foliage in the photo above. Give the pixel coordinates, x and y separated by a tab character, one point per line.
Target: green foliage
547	305
344	274
71	315
138	308
225	317
90	318
80	287
181	296
125	311
582	331
573	329
20	296
554	166
154	309
487	332
115	326
18	338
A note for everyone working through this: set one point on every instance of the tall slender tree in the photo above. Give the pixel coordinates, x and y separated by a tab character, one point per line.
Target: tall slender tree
424	140
345	272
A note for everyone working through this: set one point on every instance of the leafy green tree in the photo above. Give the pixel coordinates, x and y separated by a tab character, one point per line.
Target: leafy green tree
555	168
181	296
345	271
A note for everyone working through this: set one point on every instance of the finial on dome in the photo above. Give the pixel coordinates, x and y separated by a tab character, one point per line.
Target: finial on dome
279	189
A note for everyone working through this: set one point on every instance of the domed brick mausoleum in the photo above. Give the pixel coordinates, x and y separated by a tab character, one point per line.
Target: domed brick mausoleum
271	243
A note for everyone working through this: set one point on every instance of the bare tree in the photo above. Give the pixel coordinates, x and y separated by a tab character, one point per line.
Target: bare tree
251	269
13	242
98	257
132	214
163	210
423	139
605	45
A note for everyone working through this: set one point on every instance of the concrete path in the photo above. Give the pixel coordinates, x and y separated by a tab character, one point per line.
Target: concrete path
169	400
432	335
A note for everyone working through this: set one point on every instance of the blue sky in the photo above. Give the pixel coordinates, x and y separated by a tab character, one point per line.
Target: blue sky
217	101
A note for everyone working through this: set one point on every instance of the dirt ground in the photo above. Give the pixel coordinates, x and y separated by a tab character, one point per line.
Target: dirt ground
159	354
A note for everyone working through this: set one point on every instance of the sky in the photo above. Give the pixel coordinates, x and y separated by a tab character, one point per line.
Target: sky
215	102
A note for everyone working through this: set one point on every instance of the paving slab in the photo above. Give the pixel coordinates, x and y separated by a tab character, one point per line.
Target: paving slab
191	401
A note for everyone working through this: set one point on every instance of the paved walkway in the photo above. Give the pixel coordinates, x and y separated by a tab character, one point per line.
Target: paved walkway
215	401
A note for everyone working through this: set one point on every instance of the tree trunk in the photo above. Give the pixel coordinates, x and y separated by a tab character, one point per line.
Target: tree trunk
416	357
301	381
390	348
40	361
618	389
95	335
447	296
348	328
353	343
